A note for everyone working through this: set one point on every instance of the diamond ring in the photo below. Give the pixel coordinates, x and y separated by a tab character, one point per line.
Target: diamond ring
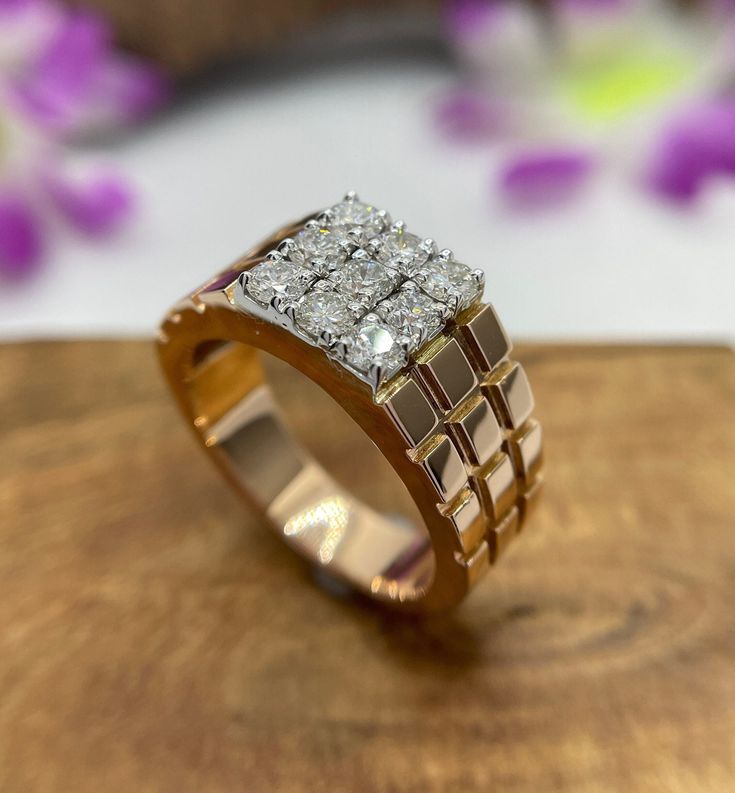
349	309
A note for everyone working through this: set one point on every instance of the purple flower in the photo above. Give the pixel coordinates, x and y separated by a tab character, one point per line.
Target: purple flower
94	206
20	237
539	77
543	178
78	82
60	78
696	145
470	17
468	115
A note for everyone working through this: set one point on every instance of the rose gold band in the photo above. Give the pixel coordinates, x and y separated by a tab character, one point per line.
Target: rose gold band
455	426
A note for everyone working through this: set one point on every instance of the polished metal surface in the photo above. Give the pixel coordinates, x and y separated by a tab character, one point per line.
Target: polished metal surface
446	372
411	411
466	515
476	429
441	461
526	447
486	338
496	485
504	532
510	391
449	501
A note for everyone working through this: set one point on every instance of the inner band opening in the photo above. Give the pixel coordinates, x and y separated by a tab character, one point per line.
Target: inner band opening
311	470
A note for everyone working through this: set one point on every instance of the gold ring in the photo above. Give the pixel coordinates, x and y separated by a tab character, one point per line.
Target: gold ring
392	334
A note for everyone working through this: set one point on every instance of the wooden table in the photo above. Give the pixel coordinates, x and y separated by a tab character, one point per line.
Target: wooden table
155	638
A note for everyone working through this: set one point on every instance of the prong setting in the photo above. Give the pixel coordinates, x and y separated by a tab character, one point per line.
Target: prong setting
326	339
243	279
287	247
375	374
359	286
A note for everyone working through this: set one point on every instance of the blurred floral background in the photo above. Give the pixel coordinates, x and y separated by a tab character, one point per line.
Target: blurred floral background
62	81
580	85
589	145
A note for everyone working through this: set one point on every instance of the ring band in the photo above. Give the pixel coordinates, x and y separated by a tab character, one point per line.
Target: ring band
394	331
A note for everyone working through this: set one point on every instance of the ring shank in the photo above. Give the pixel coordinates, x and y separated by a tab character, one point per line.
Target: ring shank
313	512
454	429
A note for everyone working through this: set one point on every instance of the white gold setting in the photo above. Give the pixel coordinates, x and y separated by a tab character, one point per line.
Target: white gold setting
317	248
361	287
374	349
364	279
448	280
406	252
416	315
278	279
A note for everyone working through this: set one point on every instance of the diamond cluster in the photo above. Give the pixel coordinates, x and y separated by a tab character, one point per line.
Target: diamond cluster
361	287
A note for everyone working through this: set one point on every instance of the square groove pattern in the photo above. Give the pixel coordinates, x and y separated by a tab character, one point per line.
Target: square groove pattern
441	461
496	485
526	447
465	514
485	337
464	412
508	388
502	533
446	372
475	428
529	499
411	411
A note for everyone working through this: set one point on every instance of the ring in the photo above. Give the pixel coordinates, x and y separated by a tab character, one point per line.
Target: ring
425	462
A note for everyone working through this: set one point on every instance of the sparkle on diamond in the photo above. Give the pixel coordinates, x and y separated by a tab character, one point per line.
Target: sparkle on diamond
271	279
366	280
320	249
402	250
371	343
412	313
450	282
322	311
356	213
351	261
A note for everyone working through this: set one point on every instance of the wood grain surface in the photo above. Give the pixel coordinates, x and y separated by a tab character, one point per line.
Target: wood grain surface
155	638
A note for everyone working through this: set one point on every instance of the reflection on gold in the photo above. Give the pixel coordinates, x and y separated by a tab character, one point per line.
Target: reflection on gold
390	588
323	524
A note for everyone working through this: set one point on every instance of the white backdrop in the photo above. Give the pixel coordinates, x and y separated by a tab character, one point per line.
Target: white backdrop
223	168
